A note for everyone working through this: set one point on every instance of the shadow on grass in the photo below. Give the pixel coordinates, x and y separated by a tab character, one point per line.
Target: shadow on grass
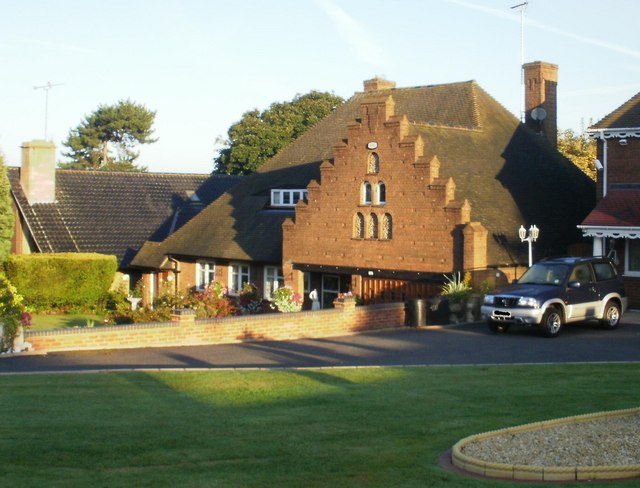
351	427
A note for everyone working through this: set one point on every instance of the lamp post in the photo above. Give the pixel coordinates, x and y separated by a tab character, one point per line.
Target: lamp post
534	232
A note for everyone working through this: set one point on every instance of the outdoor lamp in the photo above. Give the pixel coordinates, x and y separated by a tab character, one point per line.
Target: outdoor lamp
534	232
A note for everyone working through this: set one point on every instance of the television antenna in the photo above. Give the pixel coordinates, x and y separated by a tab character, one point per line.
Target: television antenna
521	7
48	86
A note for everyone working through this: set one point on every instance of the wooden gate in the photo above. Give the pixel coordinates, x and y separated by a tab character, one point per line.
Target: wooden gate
385	291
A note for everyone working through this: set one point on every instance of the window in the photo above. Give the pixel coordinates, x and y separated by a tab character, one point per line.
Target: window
306	276
205	274
604	271
238	276
366	193
632	261
287	198
358	226
273	279
382	193
373	163
372	227
386	231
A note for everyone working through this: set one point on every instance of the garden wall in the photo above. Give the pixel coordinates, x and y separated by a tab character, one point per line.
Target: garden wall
345	319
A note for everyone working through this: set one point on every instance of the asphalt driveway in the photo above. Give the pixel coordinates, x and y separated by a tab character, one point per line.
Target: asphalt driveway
450	345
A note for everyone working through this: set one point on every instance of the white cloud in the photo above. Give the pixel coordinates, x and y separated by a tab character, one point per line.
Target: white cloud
354	33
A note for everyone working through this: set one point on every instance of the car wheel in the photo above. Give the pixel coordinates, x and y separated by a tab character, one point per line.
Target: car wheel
497	327
611	317
551	322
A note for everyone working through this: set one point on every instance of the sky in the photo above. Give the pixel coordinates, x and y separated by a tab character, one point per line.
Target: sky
200	64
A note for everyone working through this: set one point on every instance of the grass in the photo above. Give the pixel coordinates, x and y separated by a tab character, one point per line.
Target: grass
379	427
63	321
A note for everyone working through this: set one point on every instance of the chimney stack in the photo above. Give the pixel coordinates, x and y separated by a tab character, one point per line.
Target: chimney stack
38	172
378	84
540	99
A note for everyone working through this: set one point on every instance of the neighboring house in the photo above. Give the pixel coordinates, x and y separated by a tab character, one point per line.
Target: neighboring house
105	212
614	223
382	197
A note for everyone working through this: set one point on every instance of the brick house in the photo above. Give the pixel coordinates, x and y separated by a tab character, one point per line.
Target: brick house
106	212
394	189
614	223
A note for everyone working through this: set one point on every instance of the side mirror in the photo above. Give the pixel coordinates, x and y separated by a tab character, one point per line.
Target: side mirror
574	284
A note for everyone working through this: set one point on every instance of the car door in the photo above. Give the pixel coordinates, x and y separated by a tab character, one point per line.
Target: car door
582	294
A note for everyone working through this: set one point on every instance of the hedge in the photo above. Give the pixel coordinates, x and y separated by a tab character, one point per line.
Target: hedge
63	280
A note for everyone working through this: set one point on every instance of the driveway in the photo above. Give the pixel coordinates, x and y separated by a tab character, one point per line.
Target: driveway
461	344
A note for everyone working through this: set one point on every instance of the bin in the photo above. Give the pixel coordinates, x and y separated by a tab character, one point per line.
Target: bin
416	312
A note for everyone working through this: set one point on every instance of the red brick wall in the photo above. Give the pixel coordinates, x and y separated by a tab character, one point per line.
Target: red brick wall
273	326
426	217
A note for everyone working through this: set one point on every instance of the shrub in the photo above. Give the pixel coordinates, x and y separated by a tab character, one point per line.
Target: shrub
13	313
286	300
69	280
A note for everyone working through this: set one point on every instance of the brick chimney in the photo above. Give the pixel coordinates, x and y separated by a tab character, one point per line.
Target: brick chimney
378	84
38	173
540	92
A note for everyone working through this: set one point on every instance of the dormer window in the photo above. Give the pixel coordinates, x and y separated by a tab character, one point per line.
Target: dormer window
287	198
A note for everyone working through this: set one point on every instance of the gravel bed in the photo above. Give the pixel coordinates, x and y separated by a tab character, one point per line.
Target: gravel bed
609	441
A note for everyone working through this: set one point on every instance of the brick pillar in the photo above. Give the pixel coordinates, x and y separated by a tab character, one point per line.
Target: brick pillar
184	317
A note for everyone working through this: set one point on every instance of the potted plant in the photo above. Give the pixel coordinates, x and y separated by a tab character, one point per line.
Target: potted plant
457	290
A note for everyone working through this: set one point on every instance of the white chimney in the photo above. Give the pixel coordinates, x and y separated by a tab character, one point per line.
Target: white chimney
38	173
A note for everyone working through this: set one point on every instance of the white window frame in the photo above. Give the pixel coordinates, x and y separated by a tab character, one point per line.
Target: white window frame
628	271
287	198
366	199
238	276
380	200
205	273
273	279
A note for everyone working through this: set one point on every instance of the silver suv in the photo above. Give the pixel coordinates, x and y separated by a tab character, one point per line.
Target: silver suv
557	291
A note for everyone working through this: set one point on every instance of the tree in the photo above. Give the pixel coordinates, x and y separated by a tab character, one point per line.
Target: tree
258	136
580	149
120	127
6	213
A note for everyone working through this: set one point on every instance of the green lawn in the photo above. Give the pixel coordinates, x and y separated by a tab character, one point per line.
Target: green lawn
63	321
383	427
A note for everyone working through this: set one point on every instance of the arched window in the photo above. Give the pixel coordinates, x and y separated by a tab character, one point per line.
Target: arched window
373	164
386	231
366	193
372	227
382	193
358	226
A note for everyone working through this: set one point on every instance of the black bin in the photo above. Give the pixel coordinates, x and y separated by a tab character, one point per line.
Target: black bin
416	312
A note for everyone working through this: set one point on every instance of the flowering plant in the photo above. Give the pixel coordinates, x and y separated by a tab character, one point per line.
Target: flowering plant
347	296
13	313
457	288
284	299
249	300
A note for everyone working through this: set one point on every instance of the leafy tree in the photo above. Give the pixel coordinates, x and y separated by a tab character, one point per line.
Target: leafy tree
6	213
117	127
258	136
580	149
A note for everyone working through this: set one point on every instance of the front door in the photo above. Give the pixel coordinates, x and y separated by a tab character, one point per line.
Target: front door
330	289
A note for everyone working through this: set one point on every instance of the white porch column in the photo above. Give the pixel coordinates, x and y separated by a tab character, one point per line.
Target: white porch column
598	246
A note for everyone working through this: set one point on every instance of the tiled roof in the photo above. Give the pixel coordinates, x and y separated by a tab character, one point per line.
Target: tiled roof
115	212
619	208
627	116
510	175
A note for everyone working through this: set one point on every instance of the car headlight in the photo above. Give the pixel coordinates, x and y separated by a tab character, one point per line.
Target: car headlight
528	302
488	299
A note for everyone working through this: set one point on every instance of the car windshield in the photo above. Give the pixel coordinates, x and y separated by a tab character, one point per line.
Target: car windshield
545	274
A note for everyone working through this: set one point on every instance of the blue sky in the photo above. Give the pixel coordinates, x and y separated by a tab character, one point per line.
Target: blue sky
201	64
